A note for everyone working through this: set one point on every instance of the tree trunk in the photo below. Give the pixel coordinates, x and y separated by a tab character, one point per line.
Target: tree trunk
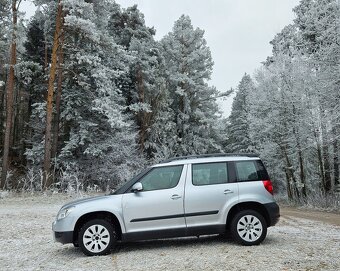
327	184
300	153
289	190
2	106
9	97
336	157
141	94
319	154
301	162
302	172
59	92
327	168
47	181
290	175
2	103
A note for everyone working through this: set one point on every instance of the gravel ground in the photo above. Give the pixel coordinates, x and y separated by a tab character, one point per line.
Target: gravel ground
296	243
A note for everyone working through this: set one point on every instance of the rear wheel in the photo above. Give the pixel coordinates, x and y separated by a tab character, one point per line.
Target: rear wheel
97	237
248	228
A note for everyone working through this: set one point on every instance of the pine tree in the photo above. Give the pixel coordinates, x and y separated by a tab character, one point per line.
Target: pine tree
10	94
57	45
189	66
5	19
93	134
99	134
238	129
144	88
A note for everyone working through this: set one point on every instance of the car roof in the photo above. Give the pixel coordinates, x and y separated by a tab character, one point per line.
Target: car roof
196	159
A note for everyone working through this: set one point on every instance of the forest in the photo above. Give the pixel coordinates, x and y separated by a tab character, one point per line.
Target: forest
89	97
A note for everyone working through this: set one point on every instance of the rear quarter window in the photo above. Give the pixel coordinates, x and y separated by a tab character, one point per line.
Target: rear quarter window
250	171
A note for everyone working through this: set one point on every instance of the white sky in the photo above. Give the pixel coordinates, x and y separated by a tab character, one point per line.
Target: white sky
237	31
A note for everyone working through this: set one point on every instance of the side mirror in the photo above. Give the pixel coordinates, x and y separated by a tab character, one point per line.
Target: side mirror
137	187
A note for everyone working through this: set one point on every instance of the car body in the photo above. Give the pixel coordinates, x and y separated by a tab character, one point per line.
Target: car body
185	196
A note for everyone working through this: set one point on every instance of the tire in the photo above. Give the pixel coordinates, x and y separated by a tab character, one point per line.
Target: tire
248	228
97	237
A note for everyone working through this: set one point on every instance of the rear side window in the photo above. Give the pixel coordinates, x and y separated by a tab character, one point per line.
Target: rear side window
250	171
210	173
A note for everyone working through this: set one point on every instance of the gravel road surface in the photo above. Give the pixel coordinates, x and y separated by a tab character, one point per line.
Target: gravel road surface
301	241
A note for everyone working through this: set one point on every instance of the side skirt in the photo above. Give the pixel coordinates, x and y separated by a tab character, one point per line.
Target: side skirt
171	233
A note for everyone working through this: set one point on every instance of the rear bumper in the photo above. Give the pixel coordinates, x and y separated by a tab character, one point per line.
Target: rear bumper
273	211
63	237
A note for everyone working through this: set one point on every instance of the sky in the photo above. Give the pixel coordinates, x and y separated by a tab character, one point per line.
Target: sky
238	32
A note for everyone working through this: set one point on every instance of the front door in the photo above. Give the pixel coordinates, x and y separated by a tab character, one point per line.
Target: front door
159	206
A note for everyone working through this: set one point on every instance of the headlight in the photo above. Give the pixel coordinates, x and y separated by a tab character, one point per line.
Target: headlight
64	212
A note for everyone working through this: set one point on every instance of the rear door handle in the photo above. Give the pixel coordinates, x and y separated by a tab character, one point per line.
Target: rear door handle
228	191
175	196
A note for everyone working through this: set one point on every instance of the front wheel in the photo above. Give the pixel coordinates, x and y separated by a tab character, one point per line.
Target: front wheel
248	228
96	237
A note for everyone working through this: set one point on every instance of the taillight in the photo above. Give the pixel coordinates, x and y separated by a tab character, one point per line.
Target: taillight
268	186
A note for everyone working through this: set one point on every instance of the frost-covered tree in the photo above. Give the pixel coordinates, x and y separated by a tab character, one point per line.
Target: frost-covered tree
96	135
278	119
148	93
35	42
128	28
5	20
189	66
318	25
100	134
12	92
238	128
144	88
294	111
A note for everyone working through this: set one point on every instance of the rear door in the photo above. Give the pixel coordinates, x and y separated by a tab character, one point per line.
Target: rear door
209	193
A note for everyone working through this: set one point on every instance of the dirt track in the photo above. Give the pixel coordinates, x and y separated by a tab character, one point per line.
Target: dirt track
329	218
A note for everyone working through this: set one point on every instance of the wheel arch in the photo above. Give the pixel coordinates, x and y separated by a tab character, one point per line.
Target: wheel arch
250	205
108	216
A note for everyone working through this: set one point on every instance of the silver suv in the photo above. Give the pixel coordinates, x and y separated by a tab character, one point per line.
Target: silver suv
183	196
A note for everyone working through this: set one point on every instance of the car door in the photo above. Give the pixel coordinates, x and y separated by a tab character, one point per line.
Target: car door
159	206
209	194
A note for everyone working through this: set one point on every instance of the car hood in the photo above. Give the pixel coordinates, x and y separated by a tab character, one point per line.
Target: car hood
84	200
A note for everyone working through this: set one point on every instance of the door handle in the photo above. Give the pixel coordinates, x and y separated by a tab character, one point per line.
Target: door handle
228	191
175	196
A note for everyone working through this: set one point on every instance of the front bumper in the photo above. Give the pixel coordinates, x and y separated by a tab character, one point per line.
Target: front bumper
60	234
63	237
273	211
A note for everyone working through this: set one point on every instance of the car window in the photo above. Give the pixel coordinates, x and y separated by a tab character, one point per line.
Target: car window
210	173
161	178
246	171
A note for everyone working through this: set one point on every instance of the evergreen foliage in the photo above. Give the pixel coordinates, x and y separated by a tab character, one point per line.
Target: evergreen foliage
119	99
293	112
123	100
189	66
238	130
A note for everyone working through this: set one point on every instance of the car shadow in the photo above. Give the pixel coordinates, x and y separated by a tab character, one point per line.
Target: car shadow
149	245
172	242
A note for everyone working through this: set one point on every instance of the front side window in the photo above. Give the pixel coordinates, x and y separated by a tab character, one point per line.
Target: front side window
210	173
162	178
246	171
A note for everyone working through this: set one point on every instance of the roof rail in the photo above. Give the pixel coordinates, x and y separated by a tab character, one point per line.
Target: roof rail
195	156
